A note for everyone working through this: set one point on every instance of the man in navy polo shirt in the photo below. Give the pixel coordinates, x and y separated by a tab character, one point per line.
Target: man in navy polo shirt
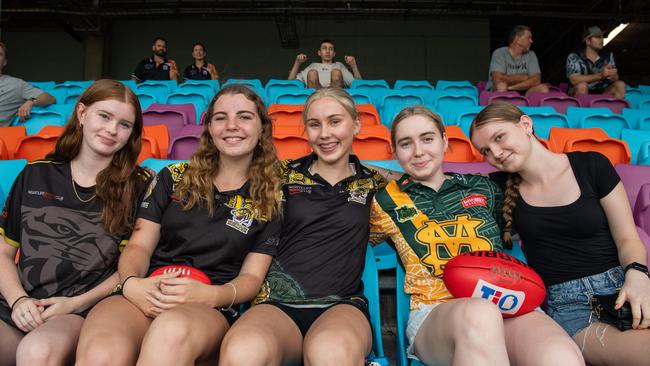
593	71
158	66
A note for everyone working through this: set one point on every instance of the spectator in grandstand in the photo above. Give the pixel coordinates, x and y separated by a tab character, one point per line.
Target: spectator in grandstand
592	70
515	67
575	222
312	306
219	214
200	69
442	329
17	97
69	215
158	66
325	73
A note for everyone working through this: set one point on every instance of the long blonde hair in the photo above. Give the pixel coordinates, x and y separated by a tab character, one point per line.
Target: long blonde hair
196	186
504	113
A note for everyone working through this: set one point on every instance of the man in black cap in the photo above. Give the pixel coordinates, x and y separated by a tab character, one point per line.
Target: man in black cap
592	71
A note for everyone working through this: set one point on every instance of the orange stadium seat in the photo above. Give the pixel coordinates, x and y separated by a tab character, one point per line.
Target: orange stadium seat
290	142
10	136
161	135
35	147
558	136
150	149
368	115
372	143
615	150
286	114
4	154
460	148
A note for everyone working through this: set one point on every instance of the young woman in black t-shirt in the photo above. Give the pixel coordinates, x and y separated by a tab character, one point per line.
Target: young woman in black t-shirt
576	226
219	214
68	215
312	307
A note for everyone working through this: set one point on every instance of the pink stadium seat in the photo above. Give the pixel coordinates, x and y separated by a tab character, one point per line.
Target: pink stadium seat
633	177
559	103
173	116
513	97
183	147
642	208
535	98
603	101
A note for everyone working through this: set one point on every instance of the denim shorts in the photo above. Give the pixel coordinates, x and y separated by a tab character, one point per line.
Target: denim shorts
569	303
416	318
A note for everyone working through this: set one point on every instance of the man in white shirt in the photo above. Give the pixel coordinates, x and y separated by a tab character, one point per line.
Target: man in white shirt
327	72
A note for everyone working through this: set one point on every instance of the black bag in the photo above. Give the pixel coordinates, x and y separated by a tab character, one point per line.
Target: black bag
602	306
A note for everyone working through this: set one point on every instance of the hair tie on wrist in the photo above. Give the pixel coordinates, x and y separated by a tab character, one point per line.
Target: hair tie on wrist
18	299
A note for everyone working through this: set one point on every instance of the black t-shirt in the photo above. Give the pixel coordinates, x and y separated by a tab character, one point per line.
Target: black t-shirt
197	73
64	249
324	235
568	242
148	70
216	245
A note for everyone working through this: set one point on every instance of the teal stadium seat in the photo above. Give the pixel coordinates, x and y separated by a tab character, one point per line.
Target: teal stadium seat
214	84
544	118
40	118
206	90
462	117
457	87
158	164
393	102
370	280
43	85
638	118
199	100
635	140
295	96
275	87
375	89
602	118
446	102
10	170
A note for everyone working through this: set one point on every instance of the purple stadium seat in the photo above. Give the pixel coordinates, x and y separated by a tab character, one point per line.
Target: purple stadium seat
642	208
633	177
513	97
468	168
481	86
183	147
535	98
603	101
559	103
645	238
175	117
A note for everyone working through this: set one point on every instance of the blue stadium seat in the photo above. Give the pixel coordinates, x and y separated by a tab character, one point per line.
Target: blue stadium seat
360	98
10	170
368	82
170	85
158	91
603	118
41	118
375	89
64	109
645	89
370	280
157	164
633	95
205	89
422	88
644	102
199	101
212	83
462	117
394	102
2	197
644	154
147	99
131	84
544	118
276	87
43	85
425	84
635	139
446	102
295	96
457	87
638	118
254	83
70	88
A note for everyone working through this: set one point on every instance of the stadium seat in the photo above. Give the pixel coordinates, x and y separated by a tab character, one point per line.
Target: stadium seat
460	149
183	147
290	142
375	89
294	96
70	88
394	102
4	153
372	142
206	90
421	88
64	109
559	103
641	211
558	137
457	87
603	118
536	98
10	137
146	99
644	154
480	86
635	139
173	116
35	147
633	95
403	84
370	280
633	178
385	164
462	117
212	83
638	118
544	118
444	103
161	135
131	84
40	118
170	85
150	149
254	83
157	164
486	97
368	115
615	150
199	101
43	85
10	170
275	87
644	102
286	114
359	97
402	309
602	101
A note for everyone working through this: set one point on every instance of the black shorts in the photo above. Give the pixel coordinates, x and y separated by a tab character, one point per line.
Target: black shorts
305	317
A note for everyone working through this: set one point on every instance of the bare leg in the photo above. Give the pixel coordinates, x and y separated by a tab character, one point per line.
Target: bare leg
617	88
264	335
541	88
10	339
535	339
464	331
312	80
580	88
603	344
337	79
112	333
186	335
53	343
340	336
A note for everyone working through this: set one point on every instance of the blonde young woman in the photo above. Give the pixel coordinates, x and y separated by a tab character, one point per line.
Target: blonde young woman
433	216
575	222
312	308
68	215
217	213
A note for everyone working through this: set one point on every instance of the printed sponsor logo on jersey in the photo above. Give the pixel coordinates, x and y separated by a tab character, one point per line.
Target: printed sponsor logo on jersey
242	213
46	195
359	190
474	200
447	239
297	189
406	212
508	301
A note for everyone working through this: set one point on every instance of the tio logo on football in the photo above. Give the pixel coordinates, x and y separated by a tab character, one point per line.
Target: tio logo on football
508	301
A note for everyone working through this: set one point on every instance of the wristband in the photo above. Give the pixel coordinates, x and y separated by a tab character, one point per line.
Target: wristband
18	299
638	267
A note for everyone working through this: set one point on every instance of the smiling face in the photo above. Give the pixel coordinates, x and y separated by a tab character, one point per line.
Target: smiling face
419	147
330	130
505	145
235	126
106	125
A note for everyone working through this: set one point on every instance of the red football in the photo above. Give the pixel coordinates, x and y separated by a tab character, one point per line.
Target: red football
503	279
186	271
